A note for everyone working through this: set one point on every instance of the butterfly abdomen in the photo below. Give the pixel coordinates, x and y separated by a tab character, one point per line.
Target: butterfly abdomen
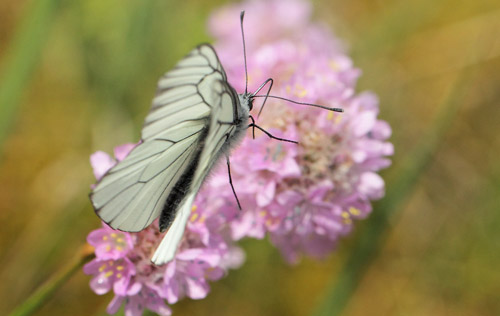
182	187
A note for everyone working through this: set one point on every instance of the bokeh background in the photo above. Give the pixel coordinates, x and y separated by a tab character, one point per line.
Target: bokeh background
78	76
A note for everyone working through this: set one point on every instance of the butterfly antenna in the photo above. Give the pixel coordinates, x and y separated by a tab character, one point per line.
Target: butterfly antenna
301	103
242	15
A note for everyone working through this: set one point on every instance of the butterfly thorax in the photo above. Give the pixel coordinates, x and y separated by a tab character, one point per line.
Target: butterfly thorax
242	116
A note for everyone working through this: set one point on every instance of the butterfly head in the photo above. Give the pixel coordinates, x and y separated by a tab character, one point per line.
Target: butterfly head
246	101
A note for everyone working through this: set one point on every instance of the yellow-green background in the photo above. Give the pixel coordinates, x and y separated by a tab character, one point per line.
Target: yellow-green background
78	76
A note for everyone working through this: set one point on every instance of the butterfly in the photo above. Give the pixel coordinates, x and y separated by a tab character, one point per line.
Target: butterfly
196	118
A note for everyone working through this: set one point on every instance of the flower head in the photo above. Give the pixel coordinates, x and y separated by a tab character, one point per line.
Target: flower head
306	196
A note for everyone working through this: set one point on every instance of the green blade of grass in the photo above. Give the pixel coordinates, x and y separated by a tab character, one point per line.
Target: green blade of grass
45	291
22	58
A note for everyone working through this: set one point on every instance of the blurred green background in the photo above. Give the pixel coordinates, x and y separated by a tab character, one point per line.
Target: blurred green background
78	76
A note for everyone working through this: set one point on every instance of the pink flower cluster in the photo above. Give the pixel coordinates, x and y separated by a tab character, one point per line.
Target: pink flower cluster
304	197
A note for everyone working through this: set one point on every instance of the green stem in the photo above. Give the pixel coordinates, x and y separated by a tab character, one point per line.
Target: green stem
22	58
374	234
45	291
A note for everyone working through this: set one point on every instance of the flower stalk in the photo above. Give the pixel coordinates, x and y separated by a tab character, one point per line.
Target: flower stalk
47	290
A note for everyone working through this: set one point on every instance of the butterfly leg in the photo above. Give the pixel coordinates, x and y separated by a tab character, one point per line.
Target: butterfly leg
253	126
231	182
269	134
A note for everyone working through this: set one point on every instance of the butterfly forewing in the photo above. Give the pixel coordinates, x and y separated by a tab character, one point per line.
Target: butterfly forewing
190	120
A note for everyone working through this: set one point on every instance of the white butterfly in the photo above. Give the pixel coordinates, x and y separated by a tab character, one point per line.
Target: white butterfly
196	117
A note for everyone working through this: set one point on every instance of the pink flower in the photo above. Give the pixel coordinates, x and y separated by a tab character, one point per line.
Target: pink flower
135	303
112	274
109	243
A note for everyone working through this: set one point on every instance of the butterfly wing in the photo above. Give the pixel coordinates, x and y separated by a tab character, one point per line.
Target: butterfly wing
225	128
133	193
